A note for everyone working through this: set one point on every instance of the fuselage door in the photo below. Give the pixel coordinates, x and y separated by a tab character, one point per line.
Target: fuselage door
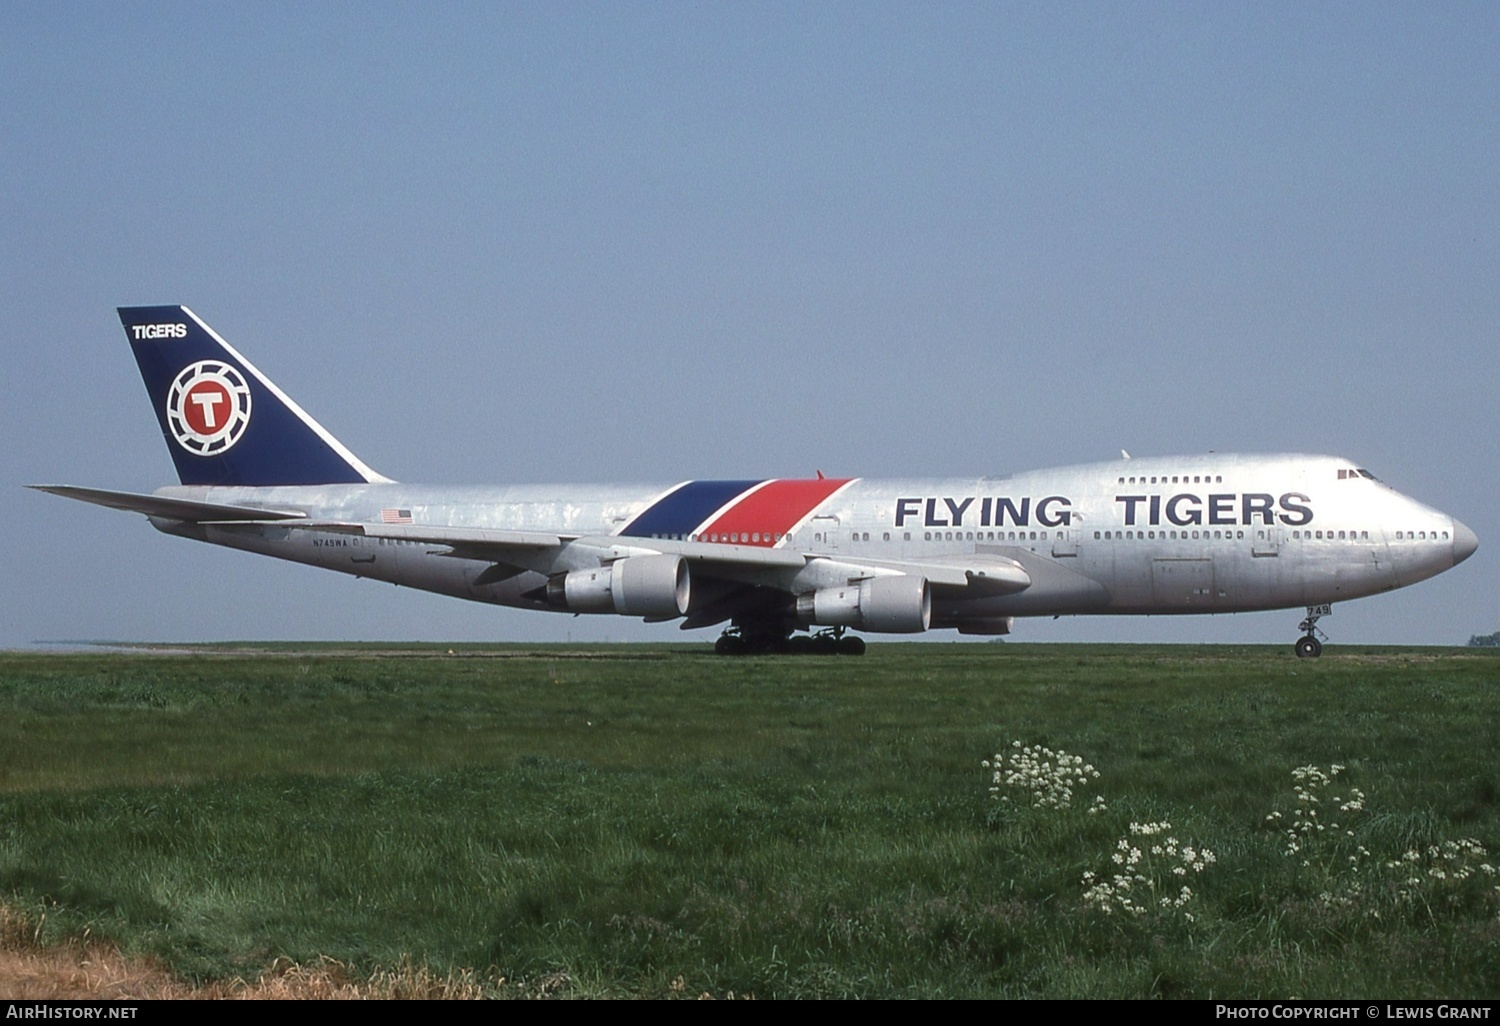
1065	542
1266	542
825	533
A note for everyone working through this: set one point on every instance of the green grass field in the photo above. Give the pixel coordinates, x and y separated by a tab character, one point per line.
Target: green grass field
633	820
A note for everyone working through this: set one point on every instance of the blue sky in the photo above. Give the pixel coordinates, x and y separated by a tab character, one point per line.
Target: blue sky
502	243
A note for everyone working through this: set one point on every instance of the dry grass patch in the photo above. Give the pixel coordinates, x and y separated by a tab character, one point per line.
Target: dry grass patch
82	970
86	969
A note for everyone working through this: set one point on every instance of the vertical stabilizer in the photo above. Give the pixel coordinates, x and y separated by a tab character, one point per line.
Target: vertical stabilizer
225	422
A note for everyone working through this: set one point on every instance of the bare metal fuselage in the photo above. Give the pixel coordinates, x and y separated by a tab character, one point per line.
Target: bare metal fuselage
1198	534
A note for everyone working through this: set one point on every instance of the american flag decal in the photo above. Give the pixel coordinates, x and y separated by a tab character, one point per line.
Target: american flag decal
395	516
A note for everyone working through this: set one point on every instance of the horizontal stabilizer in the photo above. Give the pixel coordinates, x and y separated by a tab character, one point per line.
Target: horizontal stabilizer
172	509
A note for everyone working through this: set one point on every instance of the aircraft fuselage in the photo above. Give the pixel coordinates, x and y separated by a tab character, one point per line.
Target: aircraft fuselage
1196	534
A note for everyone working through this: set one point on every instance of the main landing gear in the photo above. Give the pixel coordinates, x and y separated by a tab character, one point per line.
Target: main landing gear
1308	646
745	641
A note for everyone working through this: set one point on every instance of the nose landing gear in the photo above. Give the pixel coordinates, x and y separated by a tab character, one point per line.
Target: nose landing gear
1308	646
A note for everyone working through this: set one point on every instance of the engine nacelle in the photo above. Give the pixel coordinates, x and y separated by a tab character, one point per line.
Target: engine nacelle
636	586
897	604
992	625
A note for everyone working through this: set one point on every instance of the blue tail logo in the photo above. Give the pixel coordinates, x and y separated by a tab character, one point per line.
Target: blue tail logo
225	422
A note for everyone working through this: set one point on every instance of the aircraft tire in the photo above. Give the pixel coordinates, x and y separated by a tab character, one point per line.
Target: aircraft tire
1308	647
729	645
851	645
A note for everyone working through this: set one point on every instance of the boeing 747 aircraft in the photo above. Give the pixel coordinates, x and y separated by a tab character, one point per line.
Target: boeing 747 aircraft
786	564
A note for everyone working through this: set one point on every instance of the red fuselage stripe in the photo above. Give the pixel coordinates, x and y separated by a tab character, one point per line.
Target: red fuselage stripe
770	511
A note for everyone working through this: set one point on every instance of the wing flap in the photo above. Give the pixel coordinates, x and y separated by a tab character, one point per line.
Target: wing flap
998	575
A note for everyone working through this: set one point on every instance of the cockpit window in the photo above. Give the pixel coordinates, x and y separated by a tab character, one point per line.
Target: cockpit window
1346	474
1365	473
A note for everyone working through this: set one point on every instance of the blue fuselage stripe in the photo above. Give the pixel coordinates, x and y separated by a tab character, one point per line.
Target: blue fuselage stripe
684	509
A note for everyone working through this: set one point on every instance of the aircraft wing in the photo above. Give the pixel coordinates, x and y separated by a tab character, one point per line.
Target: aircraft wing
546	552
541	550
172	509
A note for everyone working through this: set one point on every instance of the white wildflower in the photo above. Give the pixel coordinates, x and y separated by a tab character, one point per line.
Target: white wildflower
1149	867
1046	776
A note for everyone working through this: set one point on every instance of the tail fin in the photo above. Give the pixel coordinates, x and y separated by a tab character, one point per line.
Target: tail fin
224	421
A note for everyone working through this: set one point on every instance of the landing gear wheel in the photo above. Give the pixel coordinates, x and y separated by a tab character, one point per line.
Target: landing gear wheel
1308	647
758	639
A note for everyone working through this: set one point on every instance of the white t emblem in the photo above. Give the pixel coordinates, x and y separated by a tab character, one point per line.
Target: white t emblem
208	407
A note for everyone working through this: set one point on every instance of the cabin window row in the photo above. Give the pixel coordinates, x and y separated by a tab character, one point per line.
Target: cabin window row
987	535
756	537
1173	535
732	537
1175	479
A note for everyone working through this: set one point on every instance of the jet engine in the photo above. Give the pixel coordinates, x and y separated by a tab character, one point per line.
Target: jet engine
897	604
636	586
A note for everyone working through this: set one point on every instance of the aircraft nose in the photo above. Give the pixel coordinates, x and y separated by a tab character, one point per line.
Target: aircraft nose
1465	542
